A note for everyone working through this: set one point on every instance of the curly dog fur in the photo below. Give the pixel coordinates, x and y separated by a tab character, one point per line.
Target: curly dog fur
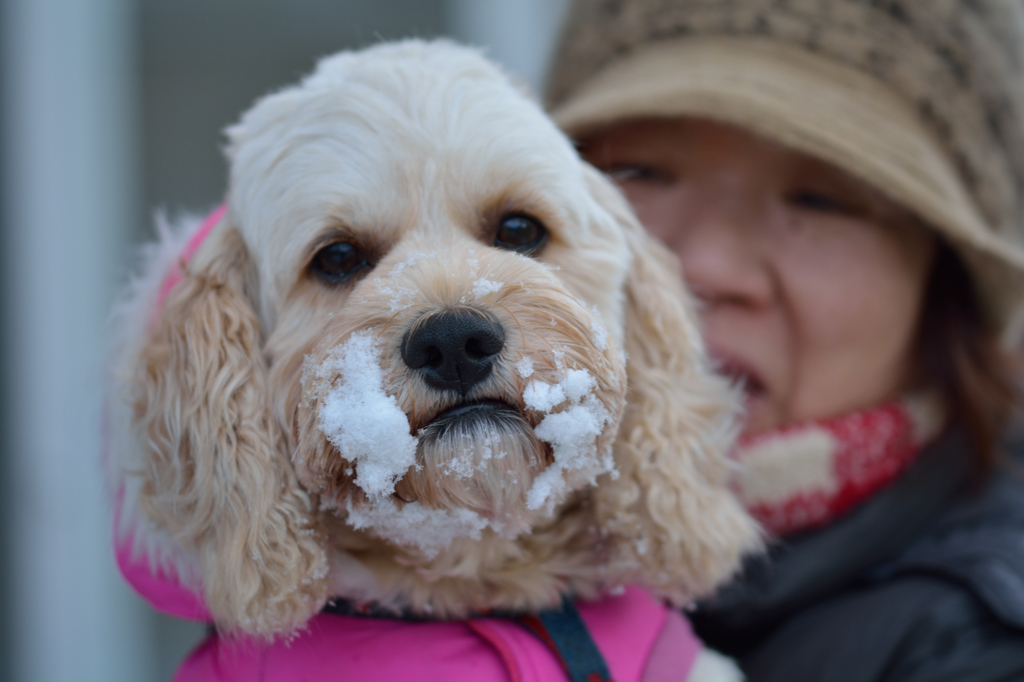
414	153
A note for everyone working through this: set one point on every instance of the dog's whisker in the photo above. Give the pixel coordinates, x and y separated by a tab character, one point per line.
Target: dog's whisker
390	321
413	412
526	343
522	333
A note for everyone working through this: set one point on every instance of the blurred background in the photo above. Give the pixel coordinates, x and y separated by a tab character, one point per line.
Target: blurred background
109	110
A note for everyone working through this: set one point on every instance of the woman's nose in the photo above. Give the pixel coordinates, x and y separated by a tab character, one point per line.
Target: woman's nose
721	247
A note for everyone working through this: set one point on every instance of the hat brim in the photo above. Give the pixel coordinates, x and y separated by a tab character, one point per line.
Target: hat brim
817	106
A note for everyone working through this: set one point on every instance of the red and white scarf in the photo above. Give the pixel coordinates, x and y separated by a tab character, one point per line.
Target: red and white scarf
803	476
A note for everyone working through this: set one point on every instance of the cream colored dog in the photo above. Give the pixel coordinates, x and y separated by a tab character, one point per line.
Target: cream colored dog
428	360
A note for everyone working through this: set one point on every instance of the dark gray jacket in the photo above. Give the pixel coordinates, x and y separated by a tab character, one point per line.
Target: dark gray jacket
923	583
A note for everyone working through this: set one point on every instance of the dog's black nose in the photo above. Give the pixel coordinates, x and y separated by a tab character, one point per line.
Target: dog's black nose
454	349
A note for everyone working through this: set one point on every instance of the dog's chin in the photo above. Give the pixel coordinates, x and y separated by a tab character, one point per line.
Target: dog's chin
481	456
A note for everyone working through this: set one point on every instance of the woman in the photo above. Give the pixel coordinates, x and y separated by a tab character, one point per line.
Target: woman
842	181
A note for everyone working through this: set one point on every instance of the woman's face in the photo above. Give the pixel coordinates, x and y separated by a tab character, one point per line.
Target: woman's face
810	282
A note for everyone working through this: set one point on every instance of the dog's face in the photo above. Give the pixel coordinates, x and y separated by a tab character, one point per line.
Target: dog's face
403	354
430	269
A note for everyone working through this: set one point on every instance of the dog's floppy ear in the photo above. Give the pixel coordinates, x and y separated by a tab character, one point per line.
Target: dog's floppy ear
216	475
670	513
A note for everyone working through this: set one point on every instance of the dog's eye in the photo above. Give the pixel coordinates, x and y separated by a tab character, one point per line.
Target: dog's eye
520	233
338	262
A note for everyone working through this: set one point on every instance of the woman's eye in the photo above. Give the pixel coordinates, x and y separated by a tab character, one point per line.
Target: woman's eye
820	202
338	262
520	233
634	172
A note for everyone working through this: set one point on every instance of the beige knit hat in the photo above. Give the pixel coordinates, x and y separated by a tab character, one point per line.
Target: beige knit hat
923	99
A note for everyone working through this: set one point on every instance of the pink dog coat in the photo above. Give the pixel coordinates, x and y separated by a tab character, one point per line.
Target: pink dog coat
640	639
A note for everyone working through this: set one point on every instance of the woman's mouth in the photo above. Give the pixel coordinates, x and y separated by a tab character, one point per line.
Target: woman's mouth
755	392
740	373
